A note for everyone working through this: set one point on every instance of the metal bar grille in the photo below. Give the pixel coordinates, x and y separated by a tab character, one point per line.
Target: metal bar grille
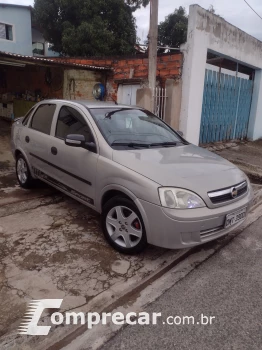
226	107
160	98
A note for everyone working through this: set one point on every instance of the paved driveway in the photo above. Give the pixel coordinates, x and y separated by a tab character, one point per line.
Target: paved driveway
52	247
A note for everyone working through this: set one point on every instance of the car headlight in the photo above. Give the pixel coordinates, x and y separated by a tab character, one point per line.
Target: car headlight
178	198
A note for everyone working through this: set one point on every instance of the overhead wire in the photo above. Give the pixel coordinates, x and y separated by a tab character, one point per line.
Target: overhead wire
252	9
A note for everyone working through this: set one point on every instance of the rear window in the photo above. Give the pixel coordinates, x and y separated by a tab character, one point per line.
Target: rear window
43	117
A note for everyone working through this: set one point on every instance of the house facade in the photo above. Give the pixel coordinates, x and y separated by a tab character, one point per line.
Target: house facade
15	29
18	35
218	106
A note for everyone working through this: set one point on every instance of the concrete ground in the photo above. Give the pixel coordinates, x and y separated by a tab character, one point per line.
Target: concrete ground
246	155
6	158
227	286
52	247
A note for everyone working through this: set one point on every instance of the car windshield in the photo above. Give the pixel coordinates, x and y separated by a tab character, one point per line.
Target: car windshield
131	127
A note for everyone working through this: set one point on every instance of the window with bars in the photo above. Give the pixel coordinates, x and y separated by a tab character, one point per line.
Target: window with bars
6	31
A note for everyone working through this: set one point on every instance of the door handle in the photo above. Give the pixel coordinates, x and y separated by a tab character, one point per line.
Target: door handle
27	139
54	151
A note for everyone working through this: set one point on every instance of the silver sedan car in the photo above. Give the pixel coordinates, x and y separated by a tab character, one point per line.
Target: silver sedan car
149	184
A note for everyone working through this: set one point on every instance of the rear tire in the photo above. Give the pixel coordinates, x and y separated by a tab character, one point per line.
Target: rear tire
123	226
23	174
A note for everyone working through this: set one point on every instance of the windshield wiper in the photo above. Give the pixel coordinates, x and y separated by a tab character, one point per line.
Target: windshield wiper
165	144
130	144
146	145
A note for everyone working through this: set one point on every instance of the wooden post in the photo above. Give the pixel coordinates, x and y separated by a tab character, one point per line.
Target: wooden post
153	38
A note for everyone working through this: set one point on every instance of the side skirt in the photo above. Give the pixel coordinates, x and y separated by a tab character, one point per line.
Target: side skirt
64	188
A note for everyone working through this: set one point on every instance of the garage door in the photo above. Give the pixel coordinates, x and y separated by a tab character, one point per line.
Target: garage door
226	107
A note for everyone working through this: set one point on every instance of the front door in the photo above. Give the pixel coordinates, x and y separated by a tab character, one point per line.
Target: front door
74	168
127	94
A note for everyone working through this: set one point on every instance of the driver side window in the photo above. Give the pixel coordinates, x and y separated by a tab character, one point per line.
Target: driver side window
70	121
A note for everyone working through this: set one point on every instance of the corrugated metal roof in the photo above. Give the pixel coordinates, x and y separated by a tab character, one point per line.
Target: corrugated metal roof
50	61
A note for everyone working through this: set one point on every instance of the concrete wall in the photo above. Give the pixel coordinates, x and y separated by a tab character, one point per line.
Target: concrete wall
78	84
20	19
210	32
173	104
143	98
255	121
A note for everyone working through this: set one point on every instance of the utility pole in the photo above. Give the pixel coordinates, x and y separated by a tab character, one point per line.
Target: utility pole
152	46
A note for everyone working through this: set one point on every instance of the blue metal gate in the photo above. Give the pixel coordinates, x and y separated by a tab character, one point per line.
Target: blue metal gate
226	107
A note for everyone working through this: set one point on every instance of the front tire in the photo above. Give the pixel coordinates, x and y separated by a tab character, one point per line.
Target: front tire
23	172
123	226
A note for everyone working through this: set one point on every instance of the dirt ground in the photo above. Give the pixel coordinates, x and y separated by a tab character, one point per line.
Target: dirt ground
52	247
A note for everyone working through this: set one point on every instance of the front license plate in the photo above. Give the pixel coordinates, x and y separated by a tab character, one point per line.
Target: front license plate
234	218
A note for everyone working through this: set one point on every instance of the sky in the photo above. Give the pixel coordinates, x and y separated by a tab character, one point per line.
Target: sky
235	12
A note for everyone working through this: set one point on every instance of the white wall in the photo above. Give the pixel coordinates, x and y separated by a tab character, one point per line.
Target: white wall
210	32
255	121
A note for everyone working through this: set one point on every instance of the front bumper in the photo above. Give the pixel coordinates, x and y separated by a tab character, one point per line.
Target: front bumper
176	229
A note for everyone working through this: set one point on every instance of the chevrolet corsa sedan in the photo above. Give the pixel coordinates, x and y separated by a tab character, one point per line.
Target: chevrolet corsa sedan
149	184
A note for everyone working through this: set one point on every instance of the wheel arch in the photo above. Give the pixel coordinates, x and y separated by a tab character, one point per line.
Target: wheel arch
111	194
110	191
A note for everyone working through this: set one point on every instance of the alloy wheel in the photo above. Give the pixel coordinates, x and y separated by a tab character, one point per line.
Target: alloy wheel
124	226
22	171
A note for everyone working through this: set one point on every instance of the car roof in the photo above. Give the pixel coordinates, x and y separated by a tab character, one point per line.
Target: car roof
90	104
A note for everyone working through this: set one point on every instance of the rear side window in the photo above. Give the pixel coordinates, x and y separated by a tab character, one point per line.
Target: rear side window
43	117
70	121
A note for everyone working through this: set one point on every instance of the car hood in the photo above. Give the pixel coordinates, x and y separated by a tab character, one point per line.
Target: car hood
186	166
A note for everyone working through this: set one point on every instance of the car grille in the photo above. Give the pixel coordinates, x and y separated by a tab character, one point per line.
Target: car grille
228	194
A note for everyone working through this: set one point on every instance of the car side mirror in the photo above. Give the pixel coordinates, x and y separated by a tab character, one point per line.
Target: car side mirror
180	133
75	140
90	146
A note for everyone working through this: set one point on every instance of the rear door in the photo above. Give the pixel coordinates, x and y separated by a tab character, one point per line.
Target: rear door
75	168
37	138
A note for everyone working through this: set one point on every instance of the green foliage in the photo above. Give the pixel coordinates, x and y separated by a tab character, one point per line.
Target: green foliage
136	4
173	30
89	27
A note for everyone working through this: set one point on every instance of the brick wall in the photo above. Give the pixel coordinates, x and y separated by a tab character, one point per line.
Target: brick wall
168	67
